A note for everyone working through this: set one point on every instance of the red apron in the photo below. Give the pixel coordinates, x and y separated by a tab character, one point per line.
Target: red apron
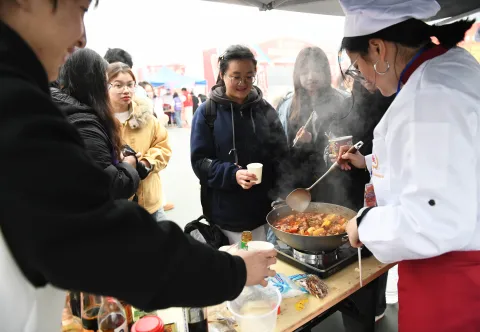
440	294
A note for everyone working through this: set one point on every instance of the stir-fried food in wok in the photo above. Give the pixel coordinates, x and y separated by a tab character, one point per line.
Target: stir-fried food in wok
312	224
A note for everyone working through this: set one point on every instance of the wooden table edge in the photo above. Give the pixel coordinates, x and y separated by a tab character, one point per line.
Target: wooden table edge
340	298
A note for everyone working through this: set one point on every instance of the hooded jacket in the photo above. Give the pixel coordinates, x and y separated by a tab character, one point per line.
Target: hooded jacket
144	133
60	228
124	178
242	134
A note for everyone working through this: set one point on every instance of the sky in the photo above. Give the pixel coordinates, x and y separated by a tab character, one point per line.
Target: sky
160	32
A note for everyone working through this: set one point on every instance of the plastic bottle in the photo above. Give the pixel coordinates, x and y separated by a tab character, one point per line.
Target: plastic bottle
111	316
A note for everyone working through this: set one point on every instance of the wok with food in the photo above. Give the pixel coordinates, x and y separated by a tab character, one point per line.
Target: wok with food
312	224
321	228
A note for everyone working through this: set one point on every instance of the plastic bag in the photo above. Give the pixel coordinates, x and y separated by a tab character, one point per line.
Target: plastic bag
312	284
286	286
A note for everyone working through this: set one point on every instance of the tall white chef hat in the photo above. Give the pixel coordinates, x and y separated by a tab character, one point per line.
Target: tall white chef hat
364	17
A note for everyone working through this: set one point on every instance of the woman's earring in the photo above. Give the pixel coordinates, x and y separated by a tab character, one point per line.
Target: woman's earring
383	72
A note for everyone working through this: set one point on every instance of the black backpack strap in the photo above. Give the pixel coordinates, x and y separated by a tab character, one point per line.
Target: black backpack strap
210	113
205	191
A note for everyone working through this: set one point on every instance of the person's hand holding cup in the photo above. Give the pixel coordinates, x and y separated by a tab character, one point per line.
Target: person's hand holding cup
258	264
256	168
245	179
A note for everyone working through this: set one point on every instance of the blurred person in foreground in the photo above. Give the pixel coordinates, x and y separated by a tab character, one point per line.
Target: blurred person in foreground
158	109
246	129
141	131
68	201
83	97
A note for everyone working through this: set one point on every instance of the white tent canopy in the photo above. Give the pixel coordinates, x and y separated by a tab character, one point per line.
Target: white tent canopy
450	8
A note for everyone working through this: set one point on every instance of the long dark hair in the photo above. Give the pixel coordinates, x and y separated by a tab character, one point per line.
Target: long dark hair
84	77
412	33
234	52
301	96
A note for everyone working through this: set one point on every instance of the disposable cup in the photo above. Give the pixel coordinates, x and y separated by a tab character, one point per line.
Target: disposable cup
256	168
336	143
260	246
256	308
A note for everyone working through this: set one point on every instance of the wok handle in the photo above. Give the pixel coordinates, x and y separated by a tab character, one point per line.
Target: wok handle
345	238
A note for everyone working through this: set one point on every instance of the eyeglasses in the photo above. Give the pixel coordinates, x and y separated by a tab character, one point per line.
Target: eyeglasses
354	73
237	80
351	71
119	88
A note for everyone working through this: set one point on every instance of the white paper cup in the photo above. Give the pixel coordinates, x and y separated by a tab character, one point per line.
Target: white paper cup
260	246
256	168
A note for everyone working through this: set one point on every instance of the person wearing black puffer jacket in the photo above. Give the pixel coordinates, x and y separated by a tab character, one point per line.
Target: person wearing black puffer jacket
82	95
246	130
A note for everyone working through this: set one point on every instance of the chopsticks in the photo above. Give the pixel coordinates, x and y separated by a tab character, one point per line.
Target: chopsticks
306	124
360	265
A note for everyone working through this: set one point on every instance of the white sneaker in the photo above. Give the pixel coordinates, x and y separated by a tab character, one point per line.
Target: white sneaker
379	317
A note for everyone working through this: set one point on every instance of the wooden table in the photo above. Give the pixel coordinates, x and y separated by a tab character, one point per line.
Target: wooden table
341	285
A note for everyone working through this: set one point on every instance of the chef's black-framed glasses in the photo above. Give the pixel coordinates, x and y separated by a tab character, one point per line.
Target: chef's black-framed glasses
352	70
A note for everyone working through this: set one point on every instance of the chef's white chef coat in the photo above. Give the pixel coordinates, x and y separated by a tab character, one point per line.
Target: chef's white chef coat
24	308
425	164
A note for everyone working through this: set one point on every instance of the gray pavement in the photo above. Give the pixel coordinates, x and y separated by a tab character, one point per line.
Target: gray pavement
183	189
181	186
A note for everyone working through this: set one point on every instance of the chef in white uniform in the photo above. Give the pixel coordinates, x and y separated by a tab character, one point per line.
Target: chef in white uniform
425	164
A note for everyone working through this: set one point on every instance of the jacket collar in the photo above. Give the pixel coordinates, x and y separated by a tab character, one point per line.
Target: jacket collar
18	58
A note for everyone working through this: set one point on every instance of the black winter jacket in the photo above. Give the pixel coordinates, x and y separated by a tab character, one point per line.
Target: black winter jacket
124	178
259	138
62	225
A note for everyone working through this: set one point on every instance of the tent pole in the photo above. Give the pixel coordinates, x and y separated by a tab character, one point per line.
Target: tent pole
458	17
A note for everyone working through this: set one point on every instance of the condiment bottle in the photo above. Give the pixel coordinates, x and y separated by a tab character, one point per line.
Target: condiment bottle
111	316
70	323
196	319
75	304
246	237
90	306
128	313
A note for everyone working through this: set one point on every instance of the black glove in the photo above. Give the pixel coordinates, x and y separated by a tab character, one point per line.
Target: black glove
128	151
143	170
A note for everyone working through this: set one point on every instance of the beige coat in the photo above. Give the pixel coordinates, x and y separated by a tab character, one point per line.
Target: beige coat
145	134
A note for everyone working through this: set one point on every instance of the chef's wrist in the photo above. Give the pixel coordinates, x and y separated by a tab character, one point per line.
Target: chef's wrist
362	214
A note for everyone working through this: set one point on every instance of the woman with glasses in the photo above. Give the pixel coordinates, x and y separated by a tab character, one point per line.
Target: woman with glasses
328	107
425	160
232	129
83	97
142	132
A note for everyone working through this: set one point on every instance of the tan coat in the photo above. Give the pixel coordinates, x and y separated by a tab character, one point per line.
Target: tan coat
144	133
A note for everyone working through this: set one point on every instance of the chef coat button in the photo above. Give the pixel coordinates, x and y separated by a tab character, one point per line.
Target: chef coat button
431	202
